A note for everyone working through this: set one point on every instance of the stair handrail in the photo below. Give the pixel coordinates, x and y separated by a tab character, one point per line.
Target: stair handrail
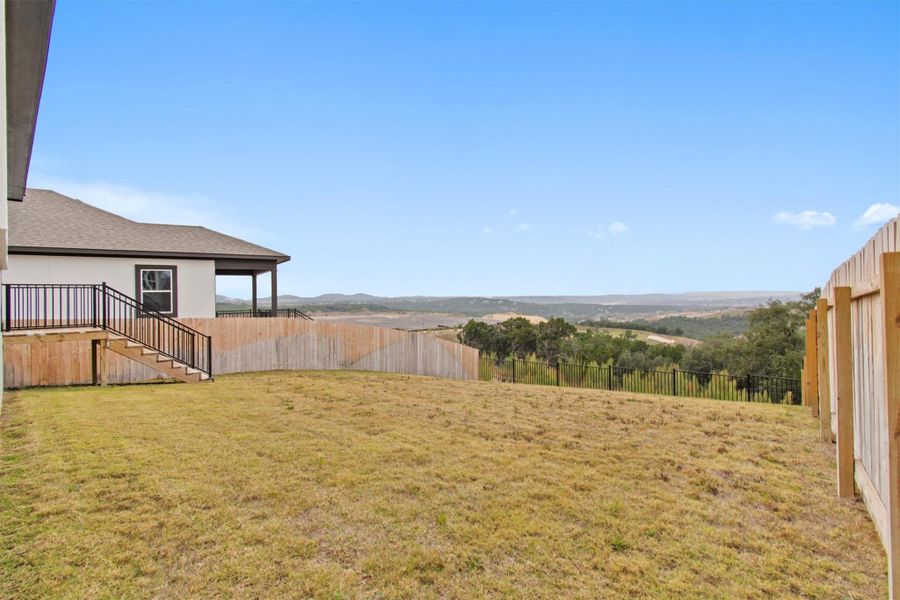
142	310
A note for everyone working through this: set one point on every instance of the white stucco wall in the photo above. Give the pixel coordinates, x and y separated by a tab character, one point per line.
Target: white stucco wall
196	278
3	169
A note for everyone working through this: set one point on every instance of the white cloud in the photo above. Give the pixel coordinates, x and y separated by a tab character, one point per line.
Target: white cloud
487	231
614	228
805	220
524	227
617	228
876	215
150	206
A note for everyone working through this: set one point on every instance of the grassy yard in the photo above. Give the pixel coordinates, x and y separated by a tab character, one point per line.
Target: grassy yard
362	485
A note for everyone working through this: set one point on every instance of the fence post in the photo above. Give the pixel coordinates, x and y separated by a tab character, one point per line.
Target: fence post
557	372
804	373
674	383
103	363
812	364
513	369
747	383
843	356
609	377
95	306
95	365
103	322
890	299
7	309
822	355
209	356
803	383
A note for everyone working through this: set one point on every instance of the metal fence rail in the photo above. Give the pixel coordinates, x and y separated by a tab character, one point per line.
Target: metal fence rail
292	313
672	382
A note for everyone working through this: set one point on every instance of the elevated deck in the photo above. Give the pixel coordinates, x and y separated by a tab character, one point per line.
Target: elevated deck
45	336
103	340
109	320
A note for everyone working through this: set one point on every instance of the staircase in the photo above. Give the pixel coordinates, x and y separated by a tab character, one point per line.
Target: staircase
153	359
113	321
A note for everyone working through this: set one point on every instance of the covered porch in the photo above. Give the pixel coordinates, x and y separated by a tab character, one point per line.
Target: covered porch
253	268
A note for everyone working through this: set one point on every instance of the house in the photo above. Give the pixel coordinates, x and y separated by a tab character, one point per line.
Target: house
78	274
25	28
172	269
88	274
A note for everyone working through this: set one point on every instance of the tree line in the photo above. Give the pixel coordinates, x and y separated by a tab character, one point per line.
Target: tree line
698	328
772	344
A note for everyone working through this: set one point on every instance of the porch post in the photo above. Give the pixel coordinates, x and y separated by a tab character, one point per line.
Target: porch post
253	300
274	290
99	364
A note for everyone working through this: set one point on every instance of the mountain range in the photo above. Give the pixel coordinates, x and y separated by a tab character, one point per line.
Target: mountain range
615	306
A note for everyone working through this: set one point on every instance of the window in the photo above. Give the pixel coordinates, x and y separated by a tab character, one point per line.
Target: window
157	288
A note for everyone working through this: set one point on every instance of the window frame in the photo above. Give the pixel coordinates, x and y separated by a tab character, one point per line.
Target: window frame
139	291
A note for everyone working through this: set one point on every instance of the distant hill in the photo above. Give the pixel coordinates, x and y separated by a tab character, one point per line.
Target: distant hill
737	298
613	306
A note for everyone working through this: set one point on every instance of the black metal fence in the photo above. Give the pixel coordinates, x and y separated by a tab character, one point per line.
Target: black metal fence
292	313
672	382
98	306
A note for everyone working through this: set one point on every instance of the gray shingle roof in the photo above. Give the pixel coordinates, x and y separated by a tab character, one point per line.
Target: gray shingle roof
49	220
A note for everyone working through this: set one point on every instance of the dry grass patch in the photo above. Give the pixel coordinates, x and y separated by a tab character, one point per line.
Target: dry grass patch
362	485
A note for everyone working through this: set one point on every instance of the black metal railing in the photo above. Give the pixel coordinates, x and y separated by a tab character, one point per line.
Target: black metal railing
65	306
292	313
672	382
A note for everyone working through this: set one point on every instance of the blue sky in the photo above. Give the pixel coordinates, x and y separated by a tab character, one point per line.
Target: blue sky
495	148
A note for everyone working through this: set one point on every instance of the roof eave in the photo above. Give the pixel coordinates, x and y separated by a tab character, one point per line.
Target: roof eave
46	251
28	25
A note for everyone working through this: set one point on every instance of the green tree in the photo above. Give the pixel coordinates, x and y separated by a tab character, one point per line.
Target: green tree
718	353
772	345
638	360
551	335
521	335
479	335
594	346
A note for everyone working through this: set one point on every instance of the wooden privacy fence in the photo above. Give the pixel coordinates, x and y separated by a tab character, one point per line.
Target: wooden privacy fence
851	378
240	345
